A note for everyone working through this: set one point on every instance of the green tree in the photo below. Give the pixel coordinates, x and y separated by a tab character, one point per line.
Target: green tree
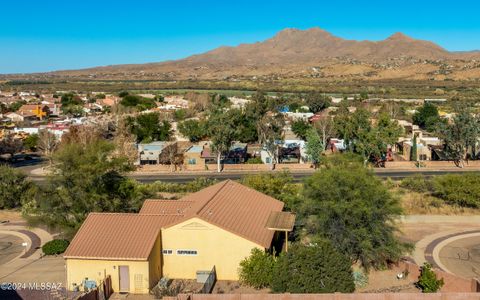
137	102
194	130
220	101
461	135
31	142
427	117
413	151
245	126
70	99
427	281
317	101
257	108
72	104
180	114
16	105
73	110
318	268
221	131
277	185
363	137
300	128
14	187
348	205
123	94
148	128
256	270
87	177
364	95
314	147
270	132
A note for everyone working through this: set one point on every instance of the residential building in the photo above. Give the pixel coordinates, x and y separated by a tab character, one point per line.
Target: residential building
192	158
149	154
177	239
38	110
21	117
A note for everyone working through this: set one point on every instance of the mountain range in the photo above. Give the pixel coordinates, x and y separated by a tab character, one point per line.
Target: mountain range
312	53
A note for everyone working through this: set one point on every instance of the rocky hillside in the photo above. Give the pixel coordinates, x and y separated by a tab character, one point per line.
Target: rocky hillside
312	53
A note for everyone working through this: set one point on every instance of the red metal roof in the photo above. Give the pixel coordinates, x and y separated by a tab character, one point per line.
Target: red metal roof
228	205
117	236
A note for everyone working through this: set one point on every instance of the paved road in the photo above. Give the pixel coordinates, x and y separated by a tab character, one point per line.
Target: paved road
462	256
298	175
10	247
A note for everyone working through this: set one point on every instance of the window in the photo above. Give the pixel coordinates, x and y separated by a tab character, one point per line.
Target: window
268	160
192	161
167	251
186	252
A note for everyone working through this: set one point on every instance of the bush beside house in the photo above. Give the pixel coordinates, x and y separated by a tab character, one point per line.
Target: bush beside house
55	247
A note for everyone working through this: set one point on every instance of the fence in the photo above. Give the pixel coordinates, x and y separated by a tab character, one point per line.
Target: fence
336	296
102	292
210	282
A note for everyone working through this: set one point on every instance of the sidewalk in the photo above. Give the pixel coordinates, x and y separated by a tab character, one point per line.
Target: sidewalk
31	254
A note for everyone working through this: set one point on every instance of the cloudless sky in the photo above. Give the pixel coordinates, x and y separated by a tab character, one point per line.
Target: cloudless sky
46	35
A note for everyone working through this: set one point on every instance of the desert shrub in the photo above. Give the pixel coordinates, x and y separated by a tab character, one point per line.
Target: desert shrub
417	183
254	161
256	270
427	281
189	187
55	247
461	189
360	279
318	268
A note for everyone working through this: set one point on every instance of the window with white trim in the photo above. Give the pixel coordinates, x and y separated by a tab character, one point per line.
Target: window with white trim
167	251
186	252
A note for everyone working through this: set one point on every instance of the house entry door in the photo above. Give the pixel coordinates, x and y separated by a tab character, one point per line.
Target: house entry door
124	277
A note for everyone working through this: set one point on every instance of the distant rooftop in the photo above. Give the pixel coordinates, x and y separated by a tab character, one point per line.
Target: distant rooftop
195	149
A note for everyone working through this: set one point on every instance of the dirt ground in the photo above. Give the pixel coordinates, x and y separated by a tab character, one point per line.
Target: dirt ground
414	232
387	281
234	287
10	215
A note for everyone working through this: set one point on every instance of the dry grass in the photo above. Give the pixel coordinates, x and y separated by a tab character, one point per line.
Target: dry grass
10	215
415	203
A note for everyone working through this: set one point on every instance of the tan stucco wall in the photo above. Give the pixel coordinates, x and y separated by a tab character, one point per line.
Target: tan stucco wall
215	246
93	269
155	263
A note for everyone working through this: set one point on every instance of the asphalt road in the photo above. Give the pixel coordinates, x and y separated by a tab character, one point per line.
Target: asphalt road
298	176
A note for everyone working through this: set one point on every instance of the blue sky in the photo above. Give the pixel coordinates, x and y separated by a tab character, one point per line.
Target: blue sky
45	35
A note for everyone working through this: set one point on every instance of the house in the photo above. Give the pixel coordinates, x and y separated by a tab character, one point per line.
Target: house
237	154
192	158
177	239
292	151
238	103
428	148
39	110
149	154
21	117
423	152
